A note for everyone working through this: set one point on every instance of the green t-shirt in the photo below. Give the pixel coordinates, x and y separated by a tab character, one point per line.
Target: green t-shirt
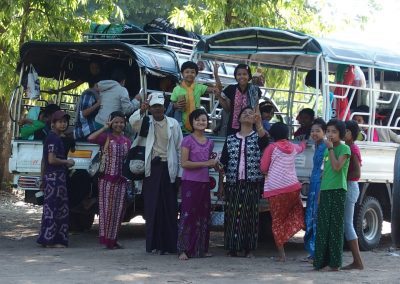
29	129
335	179
198	91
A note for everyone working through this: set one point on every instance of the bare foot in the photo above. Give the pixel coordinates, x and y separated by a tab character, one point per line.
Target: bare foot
183	256
249	255
279	258
329	269
208	254
353	265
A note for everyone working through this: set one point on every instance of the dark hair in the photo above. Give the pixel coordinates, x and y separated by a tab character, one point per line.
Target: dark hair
362	108
50	109
118	75
339	125
115	114
189	65
243	109
195	115
267	108
279	131
311	78
319	121
245	67
307	111
353	127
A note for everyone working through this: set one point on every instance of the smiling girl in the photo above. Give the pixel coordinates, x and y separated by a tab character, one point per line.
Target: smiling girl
318	130
112	185
194	231
330	224
54	229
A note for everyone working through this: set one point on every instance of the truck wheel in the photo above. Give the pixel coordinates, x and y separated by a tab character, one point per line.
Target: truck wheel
368	223
395	220
79	222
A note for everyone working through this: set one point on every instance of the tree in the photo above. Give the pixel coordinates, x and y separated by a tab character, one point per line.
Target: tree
46	20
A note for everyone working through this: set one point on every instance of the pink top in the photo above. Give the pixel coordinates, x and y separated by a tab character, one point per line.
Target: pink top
278	162
242	160
354	151
198	152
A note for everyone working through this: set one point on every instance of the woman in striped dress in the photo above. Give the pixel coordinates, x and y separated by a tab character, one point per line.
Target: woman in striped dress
112	185
243	183
281	188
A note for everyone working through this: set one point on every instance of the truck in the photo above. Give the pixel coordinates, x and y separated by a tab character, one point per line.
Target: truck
293	55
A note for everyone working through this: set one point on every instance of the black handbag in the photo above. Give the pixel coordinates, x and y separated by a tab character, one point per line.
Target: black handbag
134	165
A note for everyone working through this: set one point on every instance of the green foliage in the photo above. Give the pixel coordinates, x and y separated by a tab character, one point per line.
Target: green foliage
43	20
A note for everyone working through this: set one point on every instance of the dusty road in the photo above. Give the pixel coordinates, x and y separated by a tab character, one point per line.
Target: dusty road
85	261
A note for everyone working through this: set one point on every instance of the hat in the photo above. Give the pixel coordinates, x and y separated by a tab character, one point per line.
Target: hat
156	98
59	114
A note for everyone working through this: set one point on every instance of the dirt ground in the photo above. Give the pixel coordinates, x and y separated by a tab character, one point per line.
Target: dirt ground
85	261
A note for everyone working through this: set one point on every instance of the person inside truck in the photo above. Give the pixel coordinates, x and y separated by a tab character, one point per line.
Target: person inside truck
94	74
86	111
305	118
31	124
267	113
236	97
364	119
115	97
41	134
185	97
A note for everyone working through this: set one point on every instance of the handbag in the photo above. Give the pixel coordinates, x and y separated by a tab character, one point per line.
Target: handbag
217	217
33	84
102	166
134	165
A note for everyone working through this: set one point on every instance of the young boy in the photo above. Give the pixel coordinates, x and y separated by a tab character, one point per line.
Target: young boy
186	96
305	118
267	113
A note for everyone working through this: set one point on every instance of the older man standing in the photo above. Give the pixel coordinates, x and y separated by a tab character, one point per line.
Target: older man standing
162	166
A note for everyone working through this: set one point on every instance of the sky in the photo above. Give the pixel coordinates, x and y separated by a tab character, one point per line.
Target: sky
382	28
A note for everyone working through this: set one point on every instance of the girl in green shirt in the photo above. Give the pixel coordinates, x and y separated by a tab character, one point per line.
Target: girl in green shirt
330	224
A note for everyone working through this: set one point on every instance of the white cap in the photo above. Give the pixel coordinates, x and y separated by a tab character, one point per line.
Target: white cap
156	98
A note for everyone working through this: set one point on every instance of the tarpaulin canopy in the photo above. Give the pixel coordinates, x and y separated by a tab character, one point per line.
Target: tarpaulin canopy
288	48
49	58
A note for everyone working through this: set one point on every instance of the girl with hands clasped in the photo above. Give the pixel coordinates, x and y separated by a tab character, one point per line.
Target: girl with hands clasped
330	223
112	185
54	228
243	183
194	230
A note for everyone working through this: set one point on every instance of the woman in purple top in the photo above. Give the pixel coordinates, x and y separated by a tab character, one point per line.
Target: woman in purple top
54	229
112	185
194	227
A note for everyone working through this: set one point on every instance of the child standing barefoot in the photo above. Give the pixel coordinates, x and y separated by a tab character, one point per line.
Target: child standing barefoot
194	229
317	134
282	188
112	185
330	224
54	230
353	175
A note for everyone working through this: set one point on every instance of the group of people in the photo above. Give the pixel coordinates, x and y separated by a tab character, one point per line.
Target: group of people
257	160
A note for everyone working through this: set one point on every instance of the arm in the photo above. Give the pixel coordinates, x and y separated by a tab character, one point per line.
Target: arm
266	159
300	147
127	106
178	141
98	137
218	83
263	139
53	160
86	108
337	164
356	173
135	120
394	137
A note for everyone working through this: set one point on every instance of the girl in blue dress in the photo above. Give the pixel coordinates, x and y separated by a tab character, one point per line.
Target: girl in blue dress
318	130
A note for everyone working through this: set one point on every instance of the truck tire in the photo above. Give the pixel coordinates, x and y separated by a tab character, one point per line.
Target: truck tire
395	219
368	223
79	222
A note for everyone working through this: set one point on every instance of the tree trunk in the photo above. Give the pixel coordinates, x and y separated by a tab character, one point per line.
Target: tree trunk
228	13
5	142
